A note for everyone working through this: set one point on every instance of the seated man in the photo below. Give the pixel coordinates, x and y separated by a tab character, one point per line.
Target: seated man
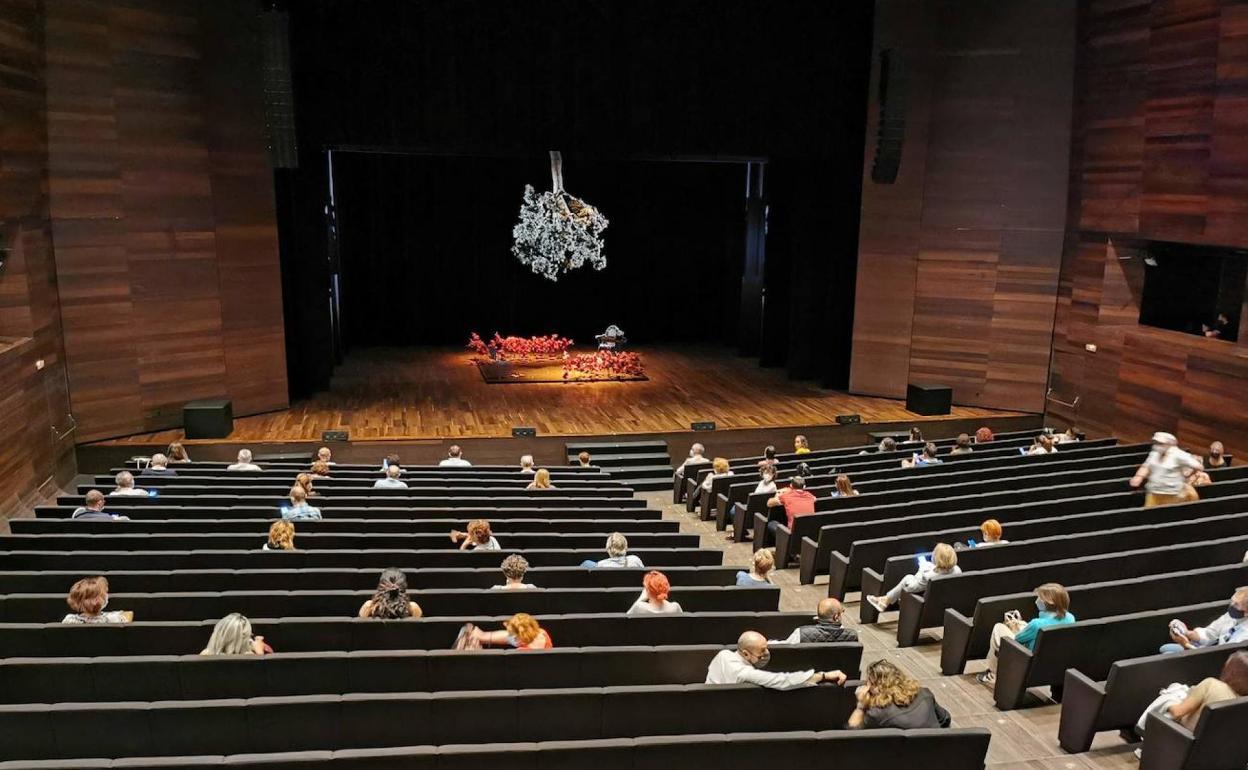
583	459
159	466
926	457
826	628
455	457
795	499
324	455
244	462
697	457
741	666
93	510
299	510
126	487
1229	628
391	480
526	464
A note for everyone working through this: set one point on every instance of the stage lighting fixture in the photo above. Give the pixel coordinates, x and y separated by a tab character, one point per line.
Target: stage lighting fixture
523	432
705	425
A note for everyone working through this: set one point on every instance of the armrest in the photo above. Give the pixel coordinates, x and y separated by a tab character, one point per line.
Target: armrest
1013	665
721	512
760	532
783	537
909	616
1166	744
838	570
1081	706
806	561
739	519
691	494
678	488
704	504
872	585
954	644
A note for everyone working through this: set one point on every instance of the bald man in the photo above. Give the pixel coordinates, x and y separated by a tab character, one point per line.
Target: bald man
826	628
742	666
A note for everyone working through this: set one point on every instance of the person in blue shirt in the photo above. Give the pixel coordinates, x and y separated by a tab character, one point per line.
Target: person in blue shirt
1053	605
760	573
299	510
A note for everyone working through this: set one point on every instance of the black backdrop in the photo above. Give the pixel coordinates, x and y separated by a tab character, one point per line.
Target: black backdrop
425	248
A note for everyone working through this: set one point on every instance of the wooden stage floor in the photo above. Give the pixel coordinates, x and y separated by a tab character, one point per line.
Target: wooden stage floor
436	393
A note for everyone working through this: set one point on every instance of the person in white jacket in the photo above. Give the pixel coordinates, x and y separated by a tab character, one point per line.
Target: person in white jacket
744	666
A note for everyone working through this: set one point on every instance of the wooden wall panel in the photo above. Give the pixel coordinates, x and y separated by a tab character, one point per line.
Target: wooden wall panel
162	209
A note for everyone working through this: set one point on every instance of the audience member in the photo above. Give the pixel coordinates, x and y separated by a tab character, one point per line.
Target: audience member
388	460
887	444
158	466
766	481
1184	704
299	509
617	555
477	538
697	456
760	571
584	459
800	445
1217	456
391	480
944	562
796	500
769	457
455	457
1053	606
1195	477
87	601
125	486
390	601
916	435
324	455
1068	436
177	453
93	509
742	666
925	457
719	470
990	534
319	470
826	628
526	464
890	698
541	480
521	631
984	435
281	536
244	462
962	446
514	567
305	480
1231	627
653	600
844	487
1162	473
232	636
803	470
1043	445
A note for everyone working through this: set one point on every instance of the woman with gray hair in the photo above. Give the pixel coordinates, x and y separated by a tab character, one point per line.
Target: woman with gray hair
232	636
617	555
126	487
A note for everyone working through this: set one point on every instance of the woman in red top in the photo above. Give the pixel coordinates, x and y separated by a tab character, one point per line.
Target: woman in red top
522	631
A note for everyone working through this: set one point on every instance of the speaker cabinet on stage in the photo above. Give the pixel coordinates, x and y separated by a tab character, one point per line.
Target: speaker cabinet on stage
929	399
848	419
208	419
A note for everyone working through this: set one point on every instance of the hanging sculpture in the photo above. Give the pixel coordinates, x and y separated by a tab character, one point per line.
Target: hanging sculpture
557	231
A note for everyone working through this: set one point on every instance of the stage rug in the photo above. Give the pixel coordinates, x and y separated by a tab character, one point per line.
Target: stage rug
500	372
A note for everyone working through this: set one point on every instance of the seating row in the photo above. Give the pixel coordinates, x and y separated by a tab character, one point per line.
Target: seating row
202	523
160	509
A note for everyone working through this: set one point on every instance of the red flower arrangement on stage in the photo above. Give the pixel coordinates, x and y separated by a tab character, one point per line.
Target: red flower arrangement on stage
546	351
603	365
500	348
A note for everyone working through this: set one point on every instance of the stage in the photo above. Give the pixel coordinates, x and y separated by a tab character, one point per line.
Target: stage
417	394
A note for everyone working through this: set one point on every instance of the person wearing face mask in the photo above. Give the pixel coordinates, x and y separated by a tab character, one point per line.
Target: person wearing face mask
1053	606
88	599
743	666
1229	628
1162	474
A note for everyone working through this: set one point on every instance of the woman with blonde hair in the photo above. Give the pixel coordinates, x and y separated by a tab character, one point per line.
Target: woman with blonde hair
477	538
232	636
281	536
177	453
521	631
617	555
305	480
944	562
890	698
844	487
719	470
800	445
88	598
541	480
390	600
760	571
653	600
319	470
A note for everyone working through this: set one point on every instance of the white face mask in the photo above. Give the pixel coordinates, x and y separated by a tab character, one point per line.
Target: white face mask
105	604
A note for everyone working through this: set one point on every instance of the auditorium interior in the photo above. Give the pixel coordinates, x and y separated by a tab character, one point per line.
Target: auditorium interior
444	383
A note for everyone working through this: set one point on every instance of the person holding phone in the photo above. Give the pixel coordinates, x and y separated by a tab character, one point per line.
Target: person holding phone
944	561
232	636
1053	606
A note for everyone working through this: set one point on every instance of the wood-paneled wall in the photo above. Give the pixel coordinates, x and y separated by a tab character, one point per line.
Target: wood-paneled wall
34	403
162	211
959	259
1160	153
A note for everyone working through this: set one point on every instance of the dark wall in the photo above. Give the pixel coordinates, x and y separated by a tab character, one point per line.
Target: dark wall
425	249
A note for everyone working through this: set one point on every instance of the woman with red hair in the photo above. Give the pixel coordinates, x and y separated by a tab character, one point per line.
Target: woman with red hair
653	599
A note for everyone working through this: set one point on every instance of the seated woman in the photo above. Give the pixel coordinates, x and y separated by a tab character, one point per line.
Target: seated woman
1184	704
1217	456
719	470
521	631
767	481
1053	604
800	445
916	435
769	458
844	487
541	480
653	600
87	600
305	480
962	446
390	601
477	538
514	567
281	536
887	444
177	453
890	698
126	487
920	459
990	534
984	435
944	562
1069	436
760	572
232	636
617	555
319	470
1044	446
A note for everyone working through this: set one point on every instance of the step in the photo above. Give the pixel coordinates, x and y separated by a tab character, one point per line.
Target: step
627	472
612	461
617	447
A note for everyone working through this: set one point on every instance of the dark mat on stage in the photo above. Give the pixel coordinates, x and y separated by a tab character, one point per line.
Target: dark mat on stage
542	370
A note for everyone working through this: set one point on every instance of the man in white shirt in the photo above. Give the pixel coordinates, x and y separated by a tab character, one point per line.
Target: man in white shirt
743	666
697	456
1231	627
526	464
324	455
1162	474
454	457
244	462
126	487
392	480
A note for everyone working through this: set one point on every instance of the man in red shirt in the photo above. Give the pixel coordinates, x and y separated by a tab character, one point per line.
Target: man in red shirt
796	501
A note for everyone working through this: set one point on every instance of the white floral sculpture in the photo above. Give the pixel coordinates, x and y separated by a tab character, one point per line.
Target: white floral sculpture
558	232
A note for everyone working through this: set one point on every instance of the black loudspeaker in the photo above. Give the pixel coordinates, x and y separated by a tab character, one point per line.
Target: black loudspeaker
523	432
706	425
279	95
929	399
334	435
208	419
848	419
890	131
